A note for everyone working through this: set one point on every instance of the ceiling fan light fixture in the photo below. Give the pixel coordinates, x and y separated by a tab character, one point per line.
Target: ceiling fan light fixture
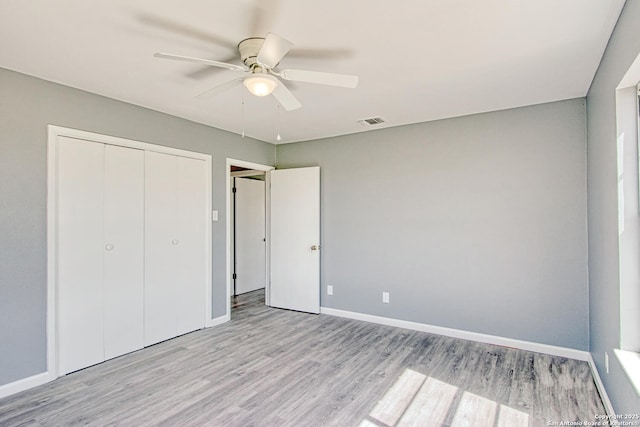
260	84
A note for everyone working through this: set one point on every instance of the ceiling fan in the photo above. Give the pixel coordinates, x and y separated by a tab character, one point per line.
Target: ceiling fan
260	56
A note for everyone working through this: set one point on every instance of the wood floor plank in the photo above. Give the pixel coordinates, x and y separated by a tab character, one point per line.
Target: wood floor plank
367	423
430	405
396	401
475	411
270	367
509	417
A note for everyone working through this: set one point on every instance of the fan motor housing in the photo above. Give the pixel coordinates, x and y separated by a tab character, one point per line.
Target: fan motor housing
249	49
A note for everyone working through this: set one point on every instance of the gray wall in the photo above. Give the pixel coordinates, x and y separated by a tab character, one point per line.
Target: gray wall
604	289
27	106
475	223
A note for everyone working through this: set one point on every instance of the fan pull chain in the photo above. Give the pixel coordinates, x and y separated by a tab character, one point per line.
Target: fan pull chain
278	137
242	102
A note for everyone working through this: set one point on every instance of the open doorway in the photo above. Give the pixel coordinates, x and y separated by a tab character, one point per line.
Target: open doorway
247	234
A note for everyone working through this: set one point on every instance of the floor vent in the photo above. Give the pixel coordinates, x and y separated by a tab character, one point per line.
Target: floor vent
372	121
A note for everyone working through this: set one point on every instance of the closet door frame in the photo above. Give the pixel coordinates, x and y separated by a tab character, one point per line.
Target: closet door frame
54	133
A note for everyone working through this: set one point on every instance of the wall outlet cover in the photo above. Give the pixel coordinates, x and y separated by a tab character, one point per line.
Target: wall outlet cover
385	297
330	290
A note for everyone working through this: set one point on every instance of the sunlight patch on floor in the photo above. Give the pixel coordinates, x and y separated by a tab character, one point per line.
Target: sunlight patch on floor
417	400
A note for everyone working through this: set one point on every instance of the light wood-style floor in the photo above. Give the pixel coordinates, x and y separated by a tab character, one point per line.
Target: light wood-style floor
270	367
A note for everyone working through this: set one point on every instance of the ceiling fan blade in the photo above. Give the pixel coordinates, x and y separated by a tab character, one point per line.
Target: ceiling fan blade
220	88
273	49
205	71
312	53
233	67
331	79
286	98
170	25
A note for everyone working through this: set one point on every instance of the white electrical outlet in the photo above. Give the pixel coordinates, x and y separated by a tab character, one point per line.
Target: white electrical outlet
330	290
606	361
385	297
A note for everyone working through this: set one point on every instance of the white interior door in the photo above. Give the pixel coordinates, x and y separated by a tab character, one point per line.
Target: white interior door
250	260
161	241
100	252
124	216
295	239
80	248
123	250
190	242
176	217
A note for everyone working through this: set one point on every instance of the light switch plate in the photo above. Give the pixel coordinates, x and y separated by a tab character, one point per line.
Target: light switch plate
214	215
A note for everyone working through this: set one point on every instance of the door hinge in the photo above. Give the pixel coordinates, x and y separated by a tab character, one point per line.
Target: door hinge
234	189
235	276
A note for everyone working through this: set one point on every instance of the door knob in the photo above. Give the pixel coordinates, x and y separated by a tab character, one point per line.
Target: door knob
174	242
315	247
109	247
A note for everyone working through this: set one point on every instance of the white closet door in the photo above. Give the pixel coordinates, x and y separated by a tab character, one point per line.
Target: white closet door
123	250
80	213
130	247
161	246
175	263
192	264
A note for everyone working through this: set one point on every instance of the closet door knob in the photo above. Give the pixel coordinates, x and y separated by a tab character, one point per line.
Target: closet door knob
109	247
174	242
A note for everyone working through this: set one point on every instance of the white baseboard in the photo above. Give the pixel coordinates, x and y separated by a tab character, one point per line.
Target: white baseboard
600	386
218	321
466	335
25	384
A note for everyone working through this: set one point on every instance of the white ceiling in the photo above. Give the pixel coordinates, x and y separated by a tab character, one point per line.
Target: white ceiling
418	60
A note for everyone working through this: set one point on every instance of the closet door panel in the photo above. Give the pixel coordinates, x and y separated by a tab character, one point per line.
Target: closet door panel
123	250
192	217
80	213
161	247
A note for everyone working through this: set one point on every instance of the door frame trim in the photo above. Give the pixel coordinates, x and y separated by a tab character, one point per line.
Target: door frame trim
53	133
256	167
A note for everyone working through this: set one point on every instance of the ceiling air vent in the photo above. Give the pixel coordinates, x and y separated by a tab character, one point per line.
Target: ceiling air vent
372	121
